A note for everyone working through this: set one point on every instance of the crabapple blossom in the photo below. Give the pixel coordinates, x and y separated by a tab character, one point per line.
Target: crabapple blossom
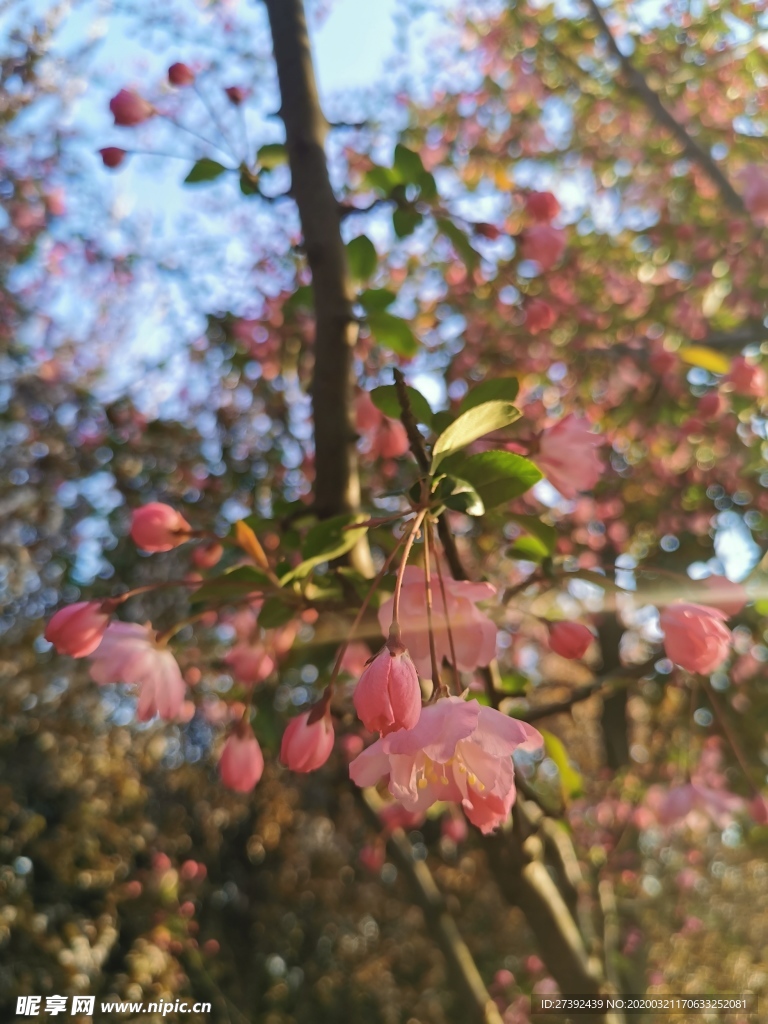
129	108
129	653
388	695
181	74
77	630
747	379
754	189
474	634
241	763
249	663
386	438
158	527
307	745
236	94
729	597
542	206
543	244
570	639
679	801
208	555
112	156
539	316
695	637
567	456
459	751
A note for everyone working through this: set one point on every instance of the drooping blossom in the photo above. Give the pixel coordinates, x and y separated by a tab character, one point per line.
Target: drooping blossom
722	593
249	663
570	639
207	555
567	456
236	94
747	378
129	653
158	527
385	438
241	763
542	206
307	745
474	634
695	638
112	156
543	244
539	316
77	630
388	695
459	752
130	109
181	74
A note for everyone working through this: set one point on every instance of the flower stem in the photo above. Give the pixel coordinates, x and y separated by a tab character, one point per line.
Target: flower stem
439	686
454	662
395	627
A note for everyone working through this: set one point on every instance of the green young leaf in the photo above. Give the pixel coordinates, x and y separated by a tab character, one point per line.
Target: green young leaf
393	333
459	241
471	425
274	613
408	164
249	184
325	541
272	155
503	389
405	221
498	477
442	420
362	258
383	179
232	585
385	399
375	299
465	499
204	170
544	534
571	782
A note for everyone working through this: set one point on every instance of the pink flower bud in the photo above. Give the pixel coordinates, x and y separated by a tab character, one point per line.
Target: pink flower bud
539	316
454	827
388	695
747	379
543	244
307	745
391	440
158	527
236	94
542	206
250	663
181	74
712	405
695	638
130	109
112	156
372	858
77	630
242	762
570	639
567	456
208	555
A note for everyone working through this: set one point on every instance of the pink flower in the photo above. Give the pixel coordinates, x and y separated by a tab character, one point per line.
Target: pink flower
236	94
208	555
241	763
474	634
712	405
181	74
458	751
129	653
388	695
158	527
570	639
754	189
112	156
680	801
695	637
567	456
250	663
386	438
307	745
543	244
729	597
77	630
542	206
539	316
130	109
747	379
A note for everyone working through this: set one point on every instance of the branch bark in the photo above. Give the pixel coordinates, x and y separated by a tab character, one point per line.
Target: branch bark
337	485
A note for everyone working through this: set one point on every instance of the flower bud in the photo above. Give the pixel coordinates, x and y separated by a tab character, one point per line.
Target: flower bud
112	156
695	638
388	695
542	206
130	109
158	527
181	74
242	762
208	555
78	629
236	94
307	745
570	639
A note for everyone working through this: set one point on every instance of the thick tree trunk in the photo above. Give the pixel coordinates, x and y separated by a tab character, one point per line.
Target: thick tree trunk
337	487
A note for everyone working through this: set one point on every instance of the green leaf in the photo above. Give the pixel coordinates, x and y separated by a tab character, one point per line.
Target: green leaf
204	170
442	420
539	542
465	499
408	164
362	258
232	585
405	221
274	613
383	179
272	155
471	425
459	241
325	541
393	333
303	297
385	399
498	477
374	299
503	389
571	782
249	185
514	683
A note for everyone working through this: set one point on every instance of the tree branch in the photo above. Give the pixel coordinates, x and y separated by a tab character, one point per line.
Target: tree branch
690	147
